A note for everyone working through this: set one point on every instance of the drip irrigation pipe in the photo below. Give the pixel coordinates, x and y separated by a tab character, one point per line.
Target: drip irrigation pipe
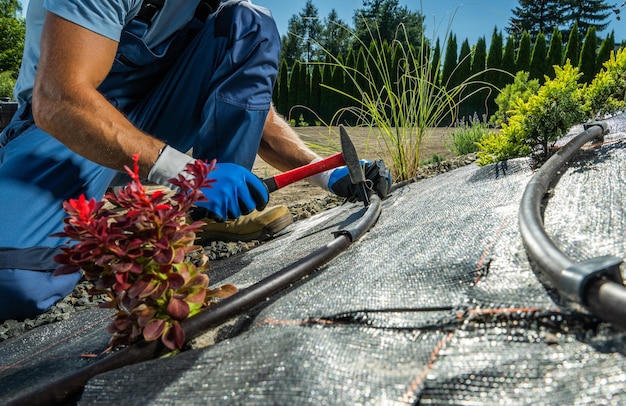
595	283
69	387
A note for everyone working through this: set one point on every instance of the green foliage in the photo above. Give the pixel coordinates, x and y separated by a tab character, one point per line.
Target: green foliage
522	61
281	95
10	8
449	62
400	101
508	61
535	16
7	83
538	59
604	53
555	51
606	93
495	147
572	50
521	88
467	135
494	59
541	120
555	108
434	158
383	20
12	32
587	60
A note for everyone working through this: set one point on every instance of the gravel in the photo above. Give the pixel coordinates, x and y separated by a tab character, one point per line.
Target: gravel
217	250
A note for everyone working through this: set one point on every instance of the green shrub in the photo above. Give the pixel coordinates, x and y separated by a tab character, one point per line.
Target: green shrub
495	147
7	83
541	120
521	88
467	135
605	95
434	158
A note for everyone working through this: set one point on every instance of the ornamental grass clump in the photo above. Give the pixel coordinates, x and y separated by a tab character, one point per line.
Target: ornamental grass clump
137	255
399	95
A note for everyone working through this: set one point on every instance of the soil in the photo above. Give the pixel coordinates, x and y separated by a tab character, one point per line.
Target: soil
325	142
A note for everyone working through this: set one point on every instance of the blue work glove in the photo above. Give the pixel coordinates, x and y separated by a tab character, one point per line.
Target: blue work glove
377	178
236	191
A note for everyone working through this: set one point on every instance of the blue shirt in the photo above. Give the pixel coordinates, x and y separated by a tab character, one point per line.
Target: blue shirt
104	17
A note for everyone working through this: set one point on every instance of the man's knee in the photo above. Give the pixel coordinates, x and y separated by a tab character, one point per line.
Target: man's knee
26	293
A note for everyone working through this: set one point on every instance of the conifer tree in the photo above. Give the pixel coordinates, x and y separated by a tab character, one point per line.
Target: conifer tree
335	35
604	53
337	82
384	17
479	64
522	61
315	98
464	68
572	49
555	52
587	13
449	63
494	60
326	95
535	16
587	61
294	78
508	61
436	63
539	59
463	72
283	88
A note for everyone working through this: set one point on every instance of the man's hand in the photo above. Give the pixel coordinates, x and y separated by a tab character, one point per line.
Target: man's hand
378	179
236	191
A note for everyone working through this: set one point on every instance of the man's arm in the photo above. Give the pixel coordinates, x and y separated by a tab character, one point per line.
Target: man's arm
66	103
281	147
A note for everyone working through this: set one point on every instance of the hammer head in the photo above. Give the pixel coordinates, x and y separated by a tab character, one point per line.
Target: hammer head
351	158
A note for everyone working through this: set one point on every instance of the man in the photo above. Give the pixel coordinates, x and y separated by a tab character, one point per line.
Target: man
102	80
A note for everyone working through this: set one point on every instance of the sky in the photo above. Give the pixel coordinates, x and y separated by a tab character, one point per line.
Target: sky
466	19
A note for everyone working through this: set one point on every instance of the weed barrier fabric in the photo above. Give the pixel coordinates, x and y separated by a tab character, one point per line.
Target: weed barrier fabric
40	356
437	304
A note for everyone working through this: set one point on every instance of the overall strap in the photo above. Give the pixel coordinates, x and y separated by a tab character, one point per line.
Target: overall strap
206	8
150	8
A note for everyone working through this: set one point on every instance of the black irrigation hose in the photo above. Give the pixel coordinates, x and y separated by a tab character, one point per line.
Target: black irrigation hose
69	387
595	283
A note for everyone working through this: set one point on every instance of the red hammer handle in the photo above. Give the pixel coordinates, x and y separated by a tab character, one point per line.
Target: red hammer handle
303	172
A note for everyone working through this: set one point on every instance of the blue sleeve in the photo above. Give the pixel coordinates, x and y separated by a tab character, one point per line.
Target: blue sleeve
104	17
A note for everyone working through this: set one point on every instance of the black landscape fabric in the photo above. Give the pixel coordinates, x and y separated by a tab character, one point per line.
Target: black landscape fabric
437	304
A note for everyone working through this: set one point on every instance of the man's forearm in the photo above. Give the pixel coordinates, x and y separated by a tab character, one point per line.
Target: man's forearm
85	122
281	147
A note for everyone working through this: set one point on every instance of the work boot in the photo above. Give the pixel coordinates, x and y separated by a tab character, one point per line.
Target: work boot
258	225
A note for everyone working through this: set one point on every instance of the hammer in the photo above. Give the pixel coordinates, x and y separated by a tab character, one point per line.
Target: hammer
347	156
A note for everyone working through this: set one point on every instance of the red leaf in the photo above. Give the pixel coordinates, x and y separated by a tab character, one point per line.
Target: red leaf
122	283
164	256
120	324
223	291
176	281
174	336
196	297
153	329
178	309
66	270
